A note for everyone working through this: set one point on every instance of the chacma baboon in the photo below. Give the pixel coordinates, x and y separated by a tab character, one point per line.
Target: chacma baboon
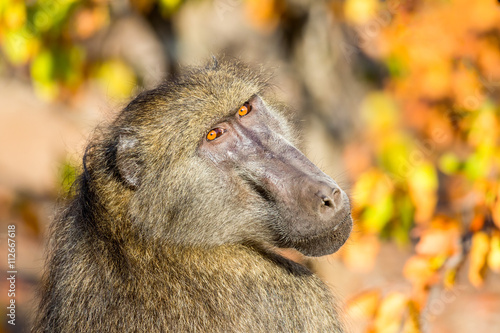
178	211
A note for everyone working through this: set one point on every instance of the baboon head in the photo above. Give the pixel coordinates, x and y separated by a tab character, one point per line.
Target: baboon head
207	159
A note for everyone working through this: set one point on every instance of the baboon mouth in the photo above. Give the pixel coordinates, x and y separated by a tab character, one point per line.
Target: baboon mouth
346	218
326	242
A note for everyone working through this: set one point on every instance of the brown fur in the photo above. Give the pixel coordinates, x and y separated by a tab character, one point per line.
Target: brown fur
155	240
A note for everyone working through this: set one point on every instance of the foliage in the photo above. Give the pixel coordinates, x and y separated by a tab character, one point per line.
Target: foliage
47	39
432	135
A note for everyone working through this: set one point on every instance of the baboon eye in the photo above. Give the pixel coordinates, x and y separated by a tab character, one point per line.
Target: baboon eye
215	133
245	109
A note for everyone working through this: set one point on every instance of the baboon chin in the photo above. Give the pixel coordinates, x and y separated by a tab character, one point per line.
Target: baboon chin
179	205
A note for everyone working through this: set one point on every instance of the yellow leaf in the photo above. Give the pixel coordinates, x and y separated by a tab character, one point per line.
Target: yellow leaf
380	112
390	313
485	127
116	78
450	278
495	211
42	73
360	11
18	45
449	163
364	305
479	249
412	324
362	188
494	255
423	184
377	215
373	196
436	262
370	185
169	6
16	15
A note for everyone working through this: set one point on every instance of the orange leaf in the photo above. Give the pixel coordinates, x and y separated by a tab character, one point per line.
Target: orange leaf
489	60
477	222
436	242
435	80
465	84
89	20
419	270
263	14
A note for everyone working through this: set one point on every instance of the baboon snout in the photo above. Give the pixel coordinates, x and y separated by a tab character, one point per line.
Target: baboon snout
316	217
322	200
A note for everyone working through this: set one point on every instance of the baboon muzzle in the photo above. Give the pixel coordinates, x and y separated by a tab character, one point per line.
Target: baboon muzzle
314	210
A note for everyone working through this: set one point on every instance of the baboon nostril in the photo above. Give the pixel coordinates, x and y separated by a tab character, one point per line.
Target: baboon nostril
327	202
327	196
335	192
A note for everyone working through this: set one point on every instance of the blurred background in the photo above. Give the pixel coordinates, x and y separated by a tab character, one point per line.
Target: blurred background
399	102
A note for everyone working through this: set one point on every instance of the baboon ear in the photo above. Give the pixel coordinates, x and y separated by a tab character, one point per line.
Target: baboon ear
128	159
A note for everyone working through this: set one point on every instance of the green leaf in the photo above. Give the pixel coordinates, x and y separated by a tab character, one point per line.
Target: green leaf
449	163
376	216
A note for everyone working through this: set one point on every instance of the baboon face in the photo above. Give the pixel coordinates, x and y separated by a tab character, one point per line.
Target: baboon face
209	161
310	211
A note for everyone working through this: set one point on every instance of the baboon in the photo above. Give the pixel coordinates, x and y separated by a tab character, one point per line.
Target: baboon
176	217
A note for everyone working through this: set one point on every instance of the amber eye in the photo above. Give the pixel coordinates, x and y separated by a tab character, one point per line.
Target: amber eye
214	134
245	109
